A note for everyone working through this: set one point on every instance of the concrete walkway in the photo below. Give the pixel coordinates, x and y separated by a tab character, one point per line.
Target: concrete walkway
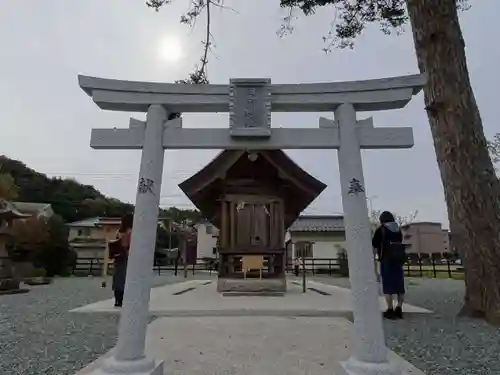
250	346
200	298
201	332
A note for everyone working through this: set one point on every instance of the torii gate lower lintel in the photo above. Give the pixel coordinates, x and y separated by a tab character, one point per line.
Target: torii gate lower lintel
327	136
250	102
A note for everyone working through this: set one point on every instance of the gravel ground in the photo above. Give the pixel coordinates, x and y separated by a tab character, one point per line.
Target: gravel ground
441	343
38	336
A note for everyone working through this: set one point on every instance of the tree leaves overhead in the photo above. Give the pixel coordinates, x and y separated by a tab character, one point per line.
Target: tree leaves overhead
351	17
494	148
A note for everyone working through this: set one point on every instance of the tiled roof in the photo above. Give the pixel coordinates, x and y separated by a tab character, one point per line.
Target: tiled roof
90	222
95	221
318	223
34	208
9	210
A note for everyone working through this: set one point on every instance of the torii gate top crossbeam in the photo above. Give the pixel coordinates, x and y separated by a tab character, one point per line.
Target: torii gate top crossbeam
368	95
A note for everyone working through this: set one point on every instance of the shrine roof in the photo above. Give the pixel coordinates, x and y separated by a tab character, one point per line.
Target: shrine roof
35	209
304	188
9	211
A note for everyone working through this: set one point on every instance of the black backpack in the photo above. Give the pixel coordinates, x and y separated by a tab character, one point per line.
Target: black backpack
393	252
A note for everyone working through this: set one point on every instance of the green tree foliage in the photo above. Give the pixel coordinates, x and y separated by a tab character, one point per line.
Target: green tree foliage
43	242
8	188
180	217
165	239
69	199
28	237
352	17
55	257
173	218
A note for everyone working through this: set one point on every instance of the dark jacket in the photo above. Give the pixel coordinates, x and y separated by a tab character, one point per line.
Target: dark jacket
388	232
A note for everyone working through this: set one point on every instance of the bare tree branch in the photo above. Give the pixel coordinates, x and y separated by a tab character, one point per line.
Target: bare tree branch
199	75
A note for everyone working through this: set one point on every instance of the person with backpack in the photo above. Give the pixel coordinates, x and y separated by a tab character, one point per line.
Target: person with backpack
388	241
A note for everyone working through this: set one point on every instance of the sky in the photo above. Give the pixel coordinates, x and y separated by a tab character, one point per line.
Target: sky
47	119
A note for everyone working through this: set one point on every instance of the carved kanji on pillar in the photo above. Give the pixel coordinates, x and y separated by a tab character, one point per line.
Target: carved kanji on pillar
355	187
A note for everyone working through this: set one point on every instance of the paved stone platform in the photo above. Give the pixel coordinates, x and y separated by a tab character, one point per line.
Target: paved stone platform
201	331
250	346
200	298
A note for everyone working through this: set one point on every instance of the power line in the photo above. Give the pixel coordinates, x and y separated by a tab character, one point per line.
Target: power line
82	202
175	172
116	176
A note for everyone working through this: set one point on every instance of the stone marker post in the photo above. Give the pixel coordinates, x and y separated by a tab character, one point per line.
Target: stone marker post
370	356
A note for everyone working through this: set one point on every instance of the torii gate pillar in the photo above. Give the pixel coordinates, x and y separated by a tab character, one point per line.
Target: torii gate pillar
370	352
129	355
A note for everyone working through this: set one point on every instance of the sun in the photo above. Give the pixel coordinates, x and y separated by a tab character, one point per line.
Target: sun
170	49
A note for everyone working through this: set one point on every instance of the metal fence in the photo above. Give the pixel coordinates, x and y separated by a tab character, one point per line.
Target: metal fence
95	267
416	266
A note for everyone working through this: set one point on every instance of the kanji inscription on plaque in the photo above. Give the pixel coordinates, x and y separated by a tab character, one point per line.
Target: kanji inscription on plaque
250	107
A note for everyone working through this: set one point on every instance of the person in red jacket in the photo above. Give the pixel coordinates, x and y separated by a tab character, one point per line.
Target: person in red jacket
120	255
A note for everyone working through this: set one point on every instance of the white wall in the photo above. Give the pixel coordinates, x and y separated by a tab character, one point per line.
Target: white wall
206	241
326	249
90	252
325	245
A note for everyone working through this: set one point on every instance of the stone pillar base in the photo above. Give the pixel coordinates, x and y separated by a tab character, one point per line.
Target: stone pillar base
354	367
146	366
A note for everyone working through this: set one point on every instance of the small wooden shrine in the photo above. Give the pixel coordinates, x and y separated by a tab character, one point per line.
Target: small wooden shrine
252	197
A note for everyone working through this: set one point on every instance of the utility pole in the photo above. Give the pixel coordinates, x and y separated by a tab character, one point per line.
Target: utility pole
370	204
303	273
169	235
370	210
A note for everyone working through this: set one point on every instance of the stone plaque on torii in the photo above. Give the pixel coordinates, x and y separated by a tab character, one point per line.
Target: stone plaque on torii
250	103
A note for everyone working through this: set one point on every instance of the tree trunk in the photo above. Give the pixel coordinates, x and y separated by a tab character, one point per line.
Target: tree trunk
470	185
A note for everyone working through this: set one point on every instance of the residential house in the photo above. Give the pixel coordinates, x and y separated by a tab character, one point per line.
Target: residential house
323	237
316	236
313	236
426	238
207	235
88	238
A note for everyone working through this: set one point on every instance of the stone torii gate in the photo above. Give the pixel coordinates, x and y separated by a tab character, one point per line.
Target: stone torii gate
250	103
